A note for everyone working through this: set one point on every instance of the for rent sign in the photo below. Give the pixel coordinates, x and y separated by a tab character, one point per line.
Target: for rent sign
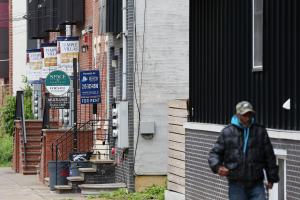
90	87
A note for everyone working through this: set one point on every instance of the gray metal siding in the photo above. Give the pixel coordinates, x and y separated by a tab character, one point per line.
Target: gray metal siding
221	61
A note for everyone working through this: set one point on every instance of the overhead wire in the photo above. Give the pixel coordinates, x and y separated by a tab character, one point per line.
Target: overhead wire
140	76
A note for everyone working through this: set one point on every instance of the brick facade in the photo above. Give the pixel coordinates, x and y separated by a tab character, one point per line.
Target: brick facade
64	148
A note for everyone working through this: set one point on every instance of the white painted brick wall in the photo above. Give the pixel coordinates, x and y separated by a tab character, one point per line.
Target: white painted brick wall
165	74
19	44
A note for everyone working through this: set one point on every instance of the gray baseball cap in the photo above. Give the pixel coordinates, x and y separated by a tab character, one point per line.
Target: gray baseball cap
244	107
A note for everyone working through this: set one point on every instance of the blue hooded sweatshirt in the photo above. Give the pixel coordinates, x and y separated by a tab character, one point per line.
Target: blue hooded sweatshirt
235	121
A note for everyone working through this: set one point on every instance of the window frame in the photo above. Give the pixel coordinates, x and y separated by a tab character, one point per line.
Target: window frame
257	68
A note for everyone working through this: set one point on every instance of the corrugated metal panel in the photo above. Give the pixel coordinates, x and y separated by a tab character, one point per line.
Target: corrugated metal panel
221	61
70	11
34	19
50	16
110	16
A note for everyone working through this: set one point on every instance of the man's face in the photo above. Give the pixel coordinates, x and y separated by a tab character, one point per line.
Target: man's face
246	118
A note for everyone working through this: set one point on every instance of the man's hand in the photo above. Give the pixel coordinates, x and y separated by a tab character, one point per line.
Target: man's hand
270	185
223	171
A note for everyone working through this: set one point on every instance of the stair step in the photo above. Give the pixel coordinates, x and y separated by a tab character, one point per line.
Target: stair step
32	140
63	187
96	161
32	153
30	166
75	178
87	170
35	133
94	189
32	146
47	179
29	172
32	161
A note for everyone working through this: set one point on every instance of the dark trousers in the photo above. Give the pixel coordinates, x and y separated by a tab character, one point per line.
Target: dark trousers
239	192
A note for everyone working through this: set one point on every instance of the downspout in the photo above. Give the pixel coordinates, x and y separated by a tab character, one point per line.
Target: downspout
124	35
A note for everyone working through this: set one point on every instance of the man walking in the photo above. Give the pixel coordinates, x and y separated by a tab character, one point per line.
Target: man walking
242	152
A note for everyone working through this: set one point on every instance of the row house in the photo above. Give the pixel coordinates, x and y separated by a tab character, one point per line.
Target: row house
140	49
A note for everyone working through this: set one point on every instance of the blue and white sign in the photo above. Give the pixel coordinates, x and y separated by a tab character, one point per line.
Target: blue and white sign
90	87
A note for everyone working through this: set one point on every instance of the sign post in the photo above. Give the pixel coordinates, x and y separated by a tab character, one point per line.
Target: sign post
75	104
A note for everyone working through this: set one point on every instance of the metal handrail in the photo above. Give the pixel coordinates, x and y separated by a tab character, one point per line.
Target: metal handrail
64	138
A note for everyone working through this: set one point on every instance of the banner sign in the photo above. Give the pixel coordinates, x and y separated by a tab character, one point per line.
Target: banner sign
49	56
67	49
57	83
59	102
34	65
90	87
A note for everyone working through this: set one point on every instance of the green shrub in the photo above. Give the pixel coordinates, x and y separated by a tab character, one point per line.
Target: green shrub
7	116
6	146
28	101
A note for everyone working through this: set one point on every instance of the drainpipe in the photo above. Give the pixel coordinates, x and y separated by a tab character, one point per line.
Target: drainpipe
124	71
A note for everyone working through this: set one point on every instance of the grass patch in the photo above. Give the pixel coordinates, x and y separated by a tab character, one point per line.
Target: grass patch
154	193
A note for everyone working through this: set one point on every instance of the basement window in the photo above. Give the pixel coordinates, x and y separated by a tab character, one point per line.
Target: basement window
257	34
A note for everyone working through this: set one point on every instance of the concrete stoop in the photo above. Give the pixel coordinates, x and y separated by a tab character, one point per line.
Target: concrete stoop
100	177
95	189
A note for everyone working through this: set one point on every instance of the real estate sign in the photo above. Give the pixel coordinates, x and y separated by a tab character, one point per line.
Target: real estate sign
57	82
59	102
67	50
49	55
90	87
34	65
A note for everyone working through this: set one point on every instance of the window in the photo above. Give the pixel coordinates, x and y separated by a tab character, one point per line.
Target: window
278	191
257	34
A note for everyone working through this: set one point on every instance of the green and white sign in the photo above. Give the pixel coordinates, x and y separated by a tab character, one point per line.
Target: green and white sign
57	83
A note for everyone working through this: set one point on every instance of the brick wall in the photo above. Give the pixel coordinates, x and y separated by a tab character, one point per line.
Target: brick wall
16	147
50	135
100	61
202	184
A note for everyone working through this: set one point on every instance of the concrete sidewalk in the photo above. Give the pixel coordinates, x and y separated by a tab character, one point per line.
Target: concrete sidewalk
19	187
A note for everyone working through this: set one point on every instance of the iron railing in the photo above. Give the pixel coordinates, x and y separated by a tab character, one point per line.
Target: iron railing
91	137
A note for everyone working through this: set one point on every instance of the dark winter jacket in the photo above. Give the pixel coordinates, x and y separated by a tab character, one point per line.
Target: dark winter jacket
245	157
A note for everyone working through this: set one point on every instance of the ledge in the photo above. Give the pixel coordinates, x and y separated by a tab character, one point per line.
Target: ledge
273	133
55	130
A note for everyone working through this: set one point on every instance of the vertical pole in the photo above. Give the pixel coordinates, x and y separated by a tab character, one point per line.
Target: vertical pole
46	116
75	104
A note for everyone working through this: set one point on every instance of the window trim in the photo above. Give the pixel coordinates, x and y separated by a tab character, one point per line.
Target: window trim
256	68
282	155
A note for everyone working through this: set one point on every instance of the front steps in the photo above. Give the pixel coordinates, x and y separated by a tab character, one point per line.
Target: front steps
100	177
31	154
94	189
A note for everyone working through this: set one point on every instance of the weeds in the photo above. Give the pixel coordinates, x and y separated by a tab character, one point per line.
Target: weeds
154	193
